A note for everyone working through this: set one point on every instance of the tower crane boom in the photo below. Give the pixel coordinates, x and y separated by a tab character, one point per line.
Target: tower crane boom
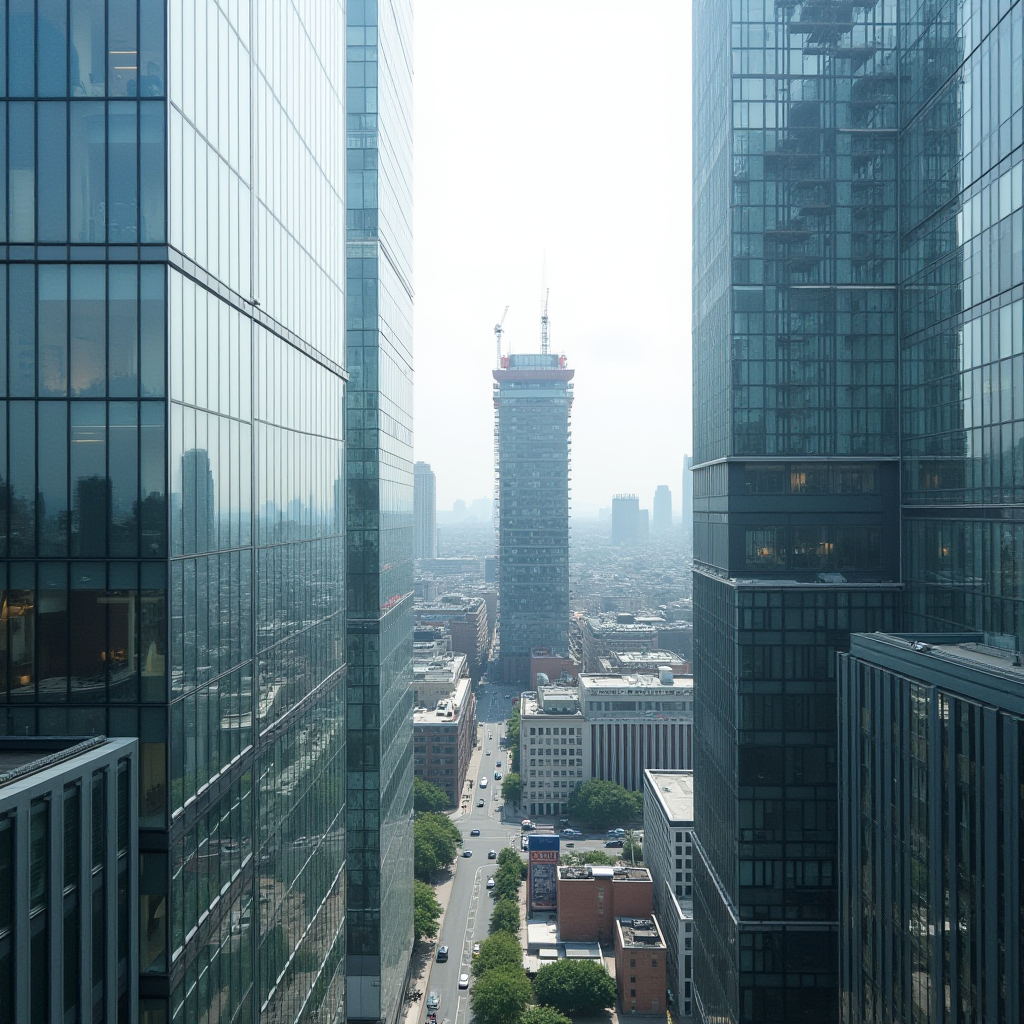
499	330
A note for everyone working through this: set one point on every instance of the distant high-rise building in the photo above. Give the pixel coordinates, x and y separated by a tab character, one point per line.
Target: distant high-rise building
662	519
174	379
625	519
532	399
381	499
688	502
424	511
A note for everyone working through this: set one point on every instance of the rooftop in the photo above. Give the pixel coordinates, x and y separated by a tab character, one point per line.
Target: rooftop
635	680
562	701
447	710
642	932
674	791
21	756
617	873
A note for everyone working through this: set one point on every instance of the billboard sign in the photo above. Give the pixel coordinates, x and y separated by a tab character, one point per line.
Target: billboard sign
543	887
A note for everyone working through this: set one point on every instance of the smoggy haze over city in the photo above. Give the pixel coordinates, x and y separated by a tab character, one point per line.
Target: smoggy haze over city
558	129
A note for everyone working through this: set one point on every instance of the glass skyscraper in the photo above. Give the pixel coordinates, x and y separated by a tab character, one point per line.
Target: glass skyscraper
172	531
532	402
858	354
379	506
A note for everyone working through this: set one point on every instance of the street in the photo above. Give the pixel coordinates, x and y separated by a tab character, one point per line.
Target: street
469	908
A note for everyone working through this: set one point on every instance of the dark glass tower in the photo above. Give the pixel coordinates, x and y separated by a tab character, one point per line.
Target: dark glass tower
795	473
532	402
380	506
172	548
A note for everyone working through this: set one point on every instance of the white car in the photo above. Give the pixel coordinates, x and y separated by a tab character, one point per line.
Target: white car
463	981
490	882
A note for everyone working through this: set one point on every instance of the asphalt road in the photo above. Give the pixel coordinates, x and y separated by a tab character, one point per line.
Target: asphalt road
469	906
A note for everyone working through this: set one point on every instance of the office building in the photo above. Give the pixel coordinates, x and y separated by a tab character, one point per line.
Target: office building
625	519
532	402
380	497
551	748
424	511
467	622
837	274
604	635
668	853
640	954
172	543
69	881
435	673
931	741
605	727
636	722
688	502
662	507
443	740
795	472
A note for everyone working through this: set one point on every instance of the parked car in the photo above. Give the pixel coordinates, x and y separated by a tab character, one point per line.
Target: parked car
467	853
612	832
615	842
474	831
442	954
490	882
492	855
572	833
463	981
476	949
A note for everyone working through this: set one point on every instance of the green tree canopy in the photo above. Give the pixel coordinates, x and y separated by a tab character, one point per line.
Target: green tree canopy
599	804
512	788
632	851
505	917
501	996
426	911
589	857
576	987
507	880
512	737
435	839
501	950
509	856
428	797
544	1015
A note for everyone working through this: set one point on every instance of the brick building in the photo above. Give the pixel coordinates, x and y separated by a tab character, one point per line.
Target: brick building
590	898
443	739
640	953
467	620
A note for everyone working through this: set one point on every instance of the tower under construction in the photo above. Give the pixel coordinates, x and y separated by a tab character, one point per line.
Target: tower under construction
532	402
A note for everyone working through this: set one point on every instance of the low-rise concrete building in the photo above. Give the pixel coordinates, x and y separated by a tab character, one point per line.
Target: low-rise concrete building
443	740
607	727
592	896
668	853
640	965
467	620
434	675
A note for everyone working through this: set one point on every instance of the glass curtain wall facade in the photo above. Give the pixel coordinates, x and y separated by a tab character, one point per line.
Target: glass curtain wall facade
171	532
795	473
532	403
379	506
962	253
932	872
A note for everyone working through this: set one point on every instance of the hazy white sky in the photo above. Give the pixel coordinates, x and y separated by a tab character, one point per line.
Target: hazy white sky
557	127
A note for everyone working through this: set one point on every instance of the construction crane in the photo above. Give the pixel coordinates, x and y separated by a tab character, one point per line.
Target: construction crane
544	337
499	330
